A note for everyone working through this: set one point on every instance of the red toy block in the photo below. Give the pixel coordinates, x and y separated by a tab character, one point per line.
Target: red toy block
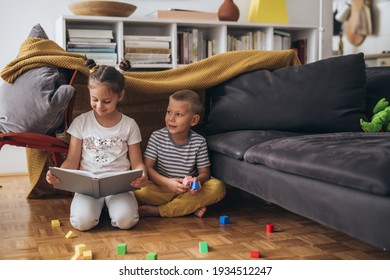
269	228
255	254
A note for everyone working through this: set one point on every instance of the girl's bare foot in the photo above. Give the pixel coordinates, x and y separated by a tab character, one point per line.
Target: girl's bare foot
200	212
148	211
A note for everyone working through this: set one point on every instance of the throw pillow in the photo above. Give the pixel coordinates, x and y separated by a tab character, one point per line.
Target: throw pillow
324	96
378	87
36	101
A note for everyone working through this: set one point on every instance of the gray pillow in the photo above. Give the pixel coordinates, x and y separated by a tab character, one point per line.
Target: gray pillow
34	102
38	32
324	96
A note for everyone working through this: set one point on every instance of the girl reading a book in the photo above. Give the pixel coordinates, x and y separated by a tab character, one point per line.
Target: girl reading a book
104	140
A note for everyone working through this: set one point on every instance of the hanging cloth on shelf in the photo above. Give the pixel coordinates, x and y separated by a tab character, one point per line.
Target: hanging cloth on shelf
359	24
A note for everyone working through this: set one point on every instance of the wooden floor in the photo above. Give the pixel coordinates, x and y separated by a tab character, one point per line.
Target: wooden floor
26	232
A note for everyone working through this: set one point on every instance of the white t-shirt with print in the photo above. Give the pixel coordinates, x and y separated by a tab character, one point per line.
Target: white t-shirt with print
104	148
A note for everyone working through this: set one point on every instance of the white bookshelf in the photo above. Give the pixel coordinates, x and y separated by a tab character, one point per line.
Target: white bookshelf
213	30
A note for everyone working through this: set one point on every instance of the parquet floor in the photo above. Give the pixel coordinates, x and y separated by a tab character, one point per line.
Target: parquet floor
26	232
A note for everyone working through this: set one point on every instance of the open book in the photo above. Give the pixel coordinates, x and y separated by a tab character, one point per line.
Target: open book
96	185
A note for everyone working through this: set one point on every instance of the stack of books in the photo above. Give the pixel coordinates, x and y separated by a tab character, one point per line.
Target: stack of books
193	46
247	41
94	44
282	40
140	49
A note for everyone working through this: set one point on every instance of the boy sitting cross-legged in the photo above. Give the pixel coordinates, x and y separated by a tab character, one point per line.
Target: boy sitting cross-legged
172	153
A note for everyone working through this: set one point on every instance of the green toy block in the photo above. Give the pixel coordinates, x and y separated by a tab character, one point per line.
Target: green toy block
122	249
151	256
203	247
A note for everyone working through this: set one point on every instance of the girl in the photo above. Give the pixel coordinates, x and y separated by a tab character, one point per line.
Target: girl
104	139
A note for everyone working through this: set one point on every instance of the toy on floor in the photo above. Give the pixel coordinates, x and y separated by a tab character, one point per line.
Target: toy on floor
380	121
203	247
224	220
70	234
122	248
255	254
151	256
269	228
55	223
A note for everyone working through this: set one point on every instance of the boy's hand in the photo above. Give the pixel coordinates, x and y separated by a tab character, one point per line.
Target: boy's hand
196	191
176	186
51	179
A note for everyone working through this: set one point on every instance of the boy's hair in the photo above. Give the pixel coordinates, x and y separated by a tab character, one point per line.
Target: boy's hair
191	97
108	75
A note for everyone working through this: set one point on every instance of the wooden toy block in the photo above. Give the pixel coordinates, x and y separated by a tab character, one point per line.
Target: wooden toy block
70	234
187	180
121	248
55	223
203	247
269	228
195	185
151	256
255	254
79	249
224	220
87	255
74	257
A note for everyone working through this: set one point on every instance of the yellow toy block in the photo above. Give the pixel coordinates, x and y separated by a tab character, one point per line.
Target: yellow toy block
70	234
74	257
87	255
55	223
79	249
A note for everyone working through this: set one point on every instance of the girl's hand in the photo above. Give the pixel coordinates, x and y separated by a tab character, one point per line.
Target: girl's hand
51	179
140	182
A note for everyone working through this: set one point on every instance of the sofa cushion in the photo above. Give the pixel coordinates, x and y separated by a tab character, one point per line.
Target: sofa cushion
236	143
353	159
323	96
378	86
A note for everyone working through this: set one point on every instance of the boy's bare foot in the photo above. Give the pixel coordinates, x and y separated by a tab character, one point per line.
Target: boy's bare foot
148	211
200	212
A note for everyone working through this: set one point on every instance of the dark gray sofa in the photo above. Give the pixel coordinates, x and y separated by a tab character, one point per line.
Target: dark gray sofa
292	137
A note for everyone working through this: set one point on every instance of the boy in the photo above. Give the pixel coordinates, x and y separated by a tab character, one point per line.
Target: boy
173	153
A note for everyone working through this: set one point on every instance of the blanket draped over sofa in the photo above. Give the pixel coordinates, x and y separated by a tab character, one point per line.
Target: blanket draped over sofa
37	52
147	92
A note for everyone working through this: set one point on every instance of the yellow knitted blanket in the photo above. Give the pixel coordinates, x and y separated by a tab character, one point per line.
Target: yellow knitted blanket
36	52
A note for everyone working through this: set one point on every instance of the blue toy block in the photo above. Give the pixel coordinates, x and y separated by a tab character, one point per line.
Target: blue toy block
195	185
224	220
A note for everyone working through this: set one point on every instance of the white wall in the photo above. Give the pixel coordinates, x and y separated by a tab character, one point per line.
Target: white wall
18	16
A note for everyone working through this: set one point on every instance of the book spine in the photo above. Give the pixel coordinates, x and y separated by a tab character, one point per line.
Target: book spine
146	38
90	33
96	187
146	44
148	50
